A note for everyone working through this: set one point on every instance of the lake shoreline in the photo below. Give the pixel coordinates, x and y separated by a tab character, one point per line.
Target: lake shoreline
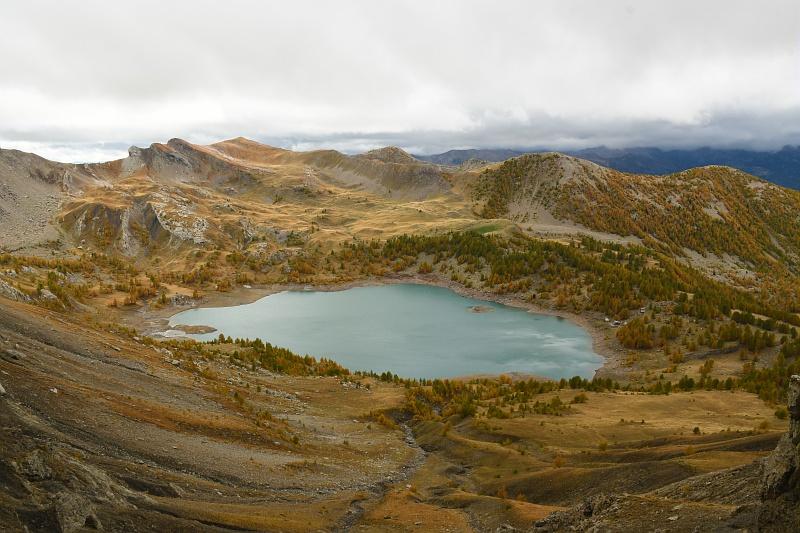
157	320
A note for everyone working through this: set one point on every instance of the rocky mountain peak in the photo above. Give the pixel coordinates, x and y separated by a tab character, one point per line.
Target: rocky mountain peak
390	154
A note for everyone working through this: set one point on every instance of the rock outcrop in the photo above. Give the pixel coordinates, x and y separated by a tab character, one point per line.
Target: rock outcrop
12	292
32	190
780	482
782	467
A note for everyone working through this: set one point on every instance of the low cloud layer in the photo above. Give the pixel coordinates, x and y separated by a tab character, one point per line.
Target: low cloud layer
82	81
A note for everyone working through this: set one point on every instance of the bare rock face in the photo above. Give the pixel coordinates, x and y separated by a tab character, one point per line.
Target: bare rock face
782	467
591	515
35	467
780	481
73	512
12	292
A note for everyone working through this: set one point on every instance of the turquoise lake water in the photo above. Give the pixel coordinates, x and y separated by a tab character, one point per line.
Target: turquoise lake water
412	330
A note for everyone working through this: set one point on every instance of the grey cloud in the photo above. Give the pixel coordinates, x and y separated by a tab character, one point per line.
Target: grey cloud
724	130
81	79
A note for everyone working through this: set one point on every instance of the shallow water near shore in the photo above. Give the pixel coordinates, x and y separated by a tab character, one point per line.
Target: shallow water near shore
411	330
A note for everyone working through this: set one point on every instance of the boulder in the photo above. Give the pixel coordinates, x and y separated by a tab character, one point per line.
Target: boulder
153	488
35	466
46	294
73	512
10	354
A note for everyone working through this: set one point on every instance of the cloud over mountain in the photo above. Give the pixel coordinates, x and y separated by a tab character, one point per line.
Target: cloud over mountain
358	75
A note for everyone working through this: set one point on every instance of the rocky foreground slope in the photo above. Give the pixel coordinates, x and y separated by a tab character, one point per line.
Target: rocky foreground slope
103	430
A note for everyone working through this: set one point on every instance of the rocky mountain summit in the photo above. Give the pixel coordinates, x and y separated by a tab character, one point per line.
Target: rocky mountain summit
390	154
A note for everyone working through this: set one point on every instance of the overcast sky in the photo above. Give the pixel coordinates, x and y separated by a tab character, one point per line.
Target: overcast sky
81	81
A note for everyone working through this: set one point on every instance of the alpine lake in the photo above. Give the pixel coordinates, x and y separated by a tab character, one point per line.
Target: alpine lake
412	330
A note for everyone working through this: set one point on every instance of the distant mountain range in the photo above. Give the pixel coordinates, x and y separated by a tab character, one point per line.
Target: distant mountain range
781	167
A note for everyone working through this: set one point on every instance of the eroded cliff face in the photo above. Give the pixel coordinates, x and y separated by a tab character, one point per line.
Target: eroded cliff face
780	485
31	192
782	467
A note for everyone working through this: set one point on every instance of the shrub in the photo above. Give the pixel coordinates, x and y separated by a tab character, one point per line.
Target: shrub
580	398
385	421
496	412
636	334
